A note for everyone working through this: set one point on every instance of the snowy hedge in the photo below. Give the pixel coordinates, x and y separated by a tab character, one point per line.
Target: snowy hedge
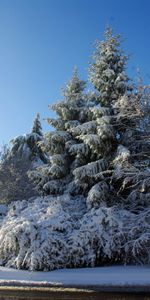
51	233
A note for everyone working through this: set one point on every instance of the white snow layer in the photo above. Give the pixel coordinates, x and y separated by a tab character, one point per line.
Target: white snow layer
57	232
101	276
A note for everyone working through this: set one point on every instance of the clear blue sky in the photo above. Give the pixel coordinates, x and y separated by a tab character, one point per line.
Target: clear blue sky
41	41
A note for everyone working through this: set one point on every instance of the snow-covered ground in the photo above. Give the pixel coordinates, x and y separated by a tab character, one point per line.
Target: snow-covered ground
101	276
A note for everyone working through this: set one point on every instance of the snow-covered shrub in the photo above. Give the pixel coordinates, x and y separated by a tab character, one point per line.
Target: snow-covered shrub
137	247
57	232
33	235
111	235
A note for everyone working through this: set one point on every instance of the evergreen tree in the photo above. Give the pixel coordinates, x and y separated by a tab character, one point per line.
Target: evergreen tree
14	181
92	152
37	128
89	136
107	71
127	164
23	156
63	148
28	145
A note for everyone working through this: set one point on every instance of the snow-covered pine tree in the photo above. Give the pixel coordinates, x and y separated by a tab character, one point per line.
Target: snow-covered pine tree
24	155
61	144
131	176
87	134
128	164
14	182
27	145
107	71
37	128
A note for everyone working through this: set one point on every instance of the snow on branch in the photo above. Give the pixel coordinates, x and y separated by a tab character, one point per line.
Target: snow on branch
86	128
90	170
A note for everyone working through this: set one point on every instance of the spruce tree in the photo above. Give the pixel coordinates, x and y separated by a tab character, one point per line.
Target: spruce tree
60	144
92	152
37	128
85	138
107	71
14	182
128	167
16	161
28	145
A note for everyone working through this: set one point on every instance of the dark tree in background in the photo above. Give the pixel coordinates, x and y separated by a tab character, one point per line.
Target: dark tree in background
16	161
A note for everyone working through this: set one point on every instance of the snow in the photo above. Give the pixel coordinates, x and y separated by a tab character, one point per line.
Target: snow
101	276
90	169
48	233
